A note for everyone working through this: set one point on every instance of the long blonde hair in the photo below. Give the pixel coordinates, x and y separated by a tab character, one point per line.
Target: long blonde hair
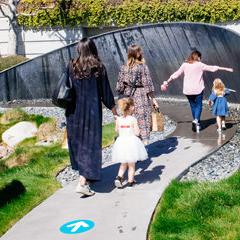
135	55
125	105
218	87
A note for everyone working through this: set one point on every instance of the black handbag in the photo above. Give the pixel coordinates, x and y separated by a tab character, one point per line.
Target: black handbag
63	94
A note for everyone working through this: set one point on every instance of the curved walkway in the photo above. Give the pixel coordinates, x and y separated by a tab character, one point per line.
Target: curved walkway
124	214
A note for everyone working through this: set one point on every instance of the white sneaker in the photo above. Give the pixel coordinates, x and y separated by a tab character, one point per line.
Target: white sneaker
84	189
198	128
219	130
195	121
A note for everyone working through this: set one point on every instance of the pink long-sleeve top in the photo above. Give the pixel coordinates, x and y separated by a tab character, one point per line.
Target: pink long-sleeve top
193	83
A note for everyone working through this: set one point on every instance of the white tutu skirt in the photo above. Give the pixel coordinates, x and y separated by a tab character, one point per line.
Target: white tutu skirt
128	149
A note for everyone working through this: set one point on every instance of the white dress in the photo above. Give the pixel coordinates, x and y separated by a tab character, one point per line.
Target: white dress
128	148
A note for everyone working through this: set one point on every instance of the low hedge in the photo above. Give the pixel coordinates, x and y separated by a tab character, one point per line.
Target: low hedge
7	62
127	12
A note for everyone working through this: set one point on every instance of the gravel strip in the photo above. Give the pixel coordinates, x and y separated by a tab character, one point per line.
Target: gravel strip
59	114
221	164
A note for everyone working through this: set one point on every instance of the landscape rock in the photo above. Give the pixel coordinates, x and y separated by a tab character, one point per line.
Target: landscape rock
18	133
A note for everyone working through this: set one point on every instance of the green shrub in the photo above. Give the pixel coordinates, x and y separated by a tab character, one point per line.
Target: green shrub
128	12
7	62
38	119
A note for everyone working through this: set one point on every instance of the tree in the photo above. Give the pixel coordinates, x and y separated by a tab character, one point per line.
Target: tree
11	9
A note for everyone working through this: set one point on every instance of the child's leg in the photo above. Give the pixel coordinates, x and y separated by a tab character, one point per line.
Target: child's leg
119	179
122	169
219	122
223	122
131	172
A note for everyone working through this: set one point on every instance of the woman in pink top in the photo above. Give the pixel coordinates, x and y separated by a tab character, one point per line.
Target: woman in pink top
193	83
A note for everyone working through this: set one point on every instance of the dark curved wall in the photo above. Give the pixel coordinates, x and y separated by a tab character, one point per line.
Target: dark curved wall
165	47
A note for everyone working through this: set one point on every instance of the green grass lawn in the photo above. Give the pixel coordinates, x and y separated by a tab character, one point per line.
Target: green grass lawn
198	211
37	175
108	134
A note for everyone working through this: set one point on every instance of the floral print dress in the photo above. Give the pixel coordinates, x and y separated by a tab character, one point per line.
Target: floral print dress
142	102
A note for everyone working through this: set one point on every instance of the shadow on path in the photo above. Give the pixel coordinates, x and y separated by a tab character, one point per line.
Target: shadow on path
145	174
165	146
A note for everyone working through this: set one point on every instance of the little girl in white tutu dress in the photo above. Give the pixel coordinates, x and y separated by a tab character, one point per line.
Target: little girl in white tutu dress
128	148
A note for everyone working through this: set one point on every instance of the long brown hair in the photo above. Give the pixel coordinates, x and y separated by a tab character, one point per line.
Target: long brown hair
135	55
88	62
218	87
194	56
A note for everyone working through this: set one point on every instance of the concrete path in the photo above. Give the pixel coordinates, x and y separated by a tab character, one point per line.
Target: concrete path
125	214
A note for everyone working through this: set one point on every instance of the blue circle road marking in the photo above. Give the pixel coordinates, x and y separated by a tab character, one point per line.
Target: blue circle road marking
77	226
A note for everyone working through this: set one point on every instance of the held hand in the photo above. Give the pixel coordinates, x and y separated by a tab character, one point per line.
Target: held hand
165	83
114	111
164	87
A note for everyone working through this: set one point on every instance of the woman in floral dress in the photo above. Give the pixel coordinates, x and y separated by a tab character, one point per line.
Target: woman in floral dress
135	80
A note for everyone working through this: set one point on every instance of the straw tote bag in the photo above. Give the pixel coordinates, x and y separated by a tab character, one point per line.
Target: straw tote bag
157	121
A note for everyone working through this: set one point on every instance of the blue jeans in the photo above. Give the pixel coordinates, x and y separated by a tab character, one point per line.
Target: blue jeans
196	105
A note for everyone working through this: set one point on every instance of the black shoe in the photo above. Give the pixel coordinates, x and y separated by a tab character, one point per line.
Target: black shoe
118	182
193	126
131	184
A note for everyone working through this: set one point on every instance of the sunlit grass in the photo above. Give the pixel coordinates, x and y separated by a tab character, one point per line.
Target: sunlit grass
37	176
199	211
108	134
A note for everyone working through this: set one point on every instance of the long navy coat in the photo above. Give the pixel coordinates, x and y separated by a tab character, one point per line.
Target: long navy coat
84	123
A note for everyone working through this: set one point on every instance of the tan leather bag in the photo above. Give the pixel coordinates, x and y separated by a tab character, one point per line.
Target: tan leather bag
157	121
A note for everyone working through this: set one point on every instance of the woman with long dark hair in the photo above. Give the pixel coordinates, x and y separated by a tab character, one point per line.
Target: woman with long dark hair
193	83
135	80
84	116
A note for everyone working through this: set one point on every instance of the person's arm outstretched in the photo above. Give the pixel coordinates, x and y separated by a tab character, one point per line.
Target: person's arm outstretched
175	75
210	68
